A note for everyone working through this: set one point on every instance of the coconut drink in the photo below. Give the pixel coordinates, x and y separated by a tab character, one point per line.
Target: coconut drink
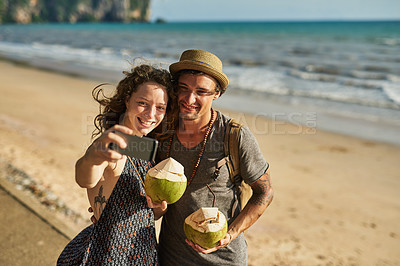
166	181
206	227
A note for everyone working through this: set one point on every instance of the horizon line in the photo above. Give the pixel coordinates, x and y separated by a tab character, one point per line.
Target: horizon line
277	20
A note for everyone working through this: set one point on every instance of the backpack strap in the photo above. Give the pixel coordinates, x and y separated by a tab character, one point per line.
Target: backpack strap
231	148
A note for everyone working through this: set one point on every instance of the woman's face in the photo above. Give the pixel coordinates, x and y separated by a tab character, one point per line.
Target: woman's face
145	109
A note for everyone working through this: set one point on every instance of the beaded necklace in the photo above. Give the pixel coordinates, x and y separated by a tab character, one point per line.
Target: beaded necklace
203	145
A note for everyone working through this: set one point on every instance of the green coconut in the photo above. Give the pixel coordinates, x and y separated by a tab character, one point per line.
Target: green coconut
165	181
206	227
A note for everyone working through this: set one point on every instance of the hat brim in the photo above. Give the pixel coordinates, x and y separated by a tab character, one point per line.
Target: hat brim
199	66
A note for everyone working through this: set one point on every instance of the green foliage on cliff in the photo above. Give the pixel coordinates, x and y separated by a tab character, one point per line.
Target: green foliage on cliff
142	5
28	11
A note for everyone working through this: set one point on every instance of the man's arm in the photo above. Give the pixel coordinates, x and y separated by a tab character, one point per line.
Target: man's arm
259	201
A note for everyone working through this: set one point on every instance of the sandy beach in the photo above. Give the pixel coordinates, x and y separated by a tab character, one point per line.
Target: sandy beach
337	199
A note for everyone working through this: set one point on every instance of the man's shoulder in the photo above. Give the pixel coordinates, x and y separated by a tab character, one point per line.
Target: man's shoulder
224	118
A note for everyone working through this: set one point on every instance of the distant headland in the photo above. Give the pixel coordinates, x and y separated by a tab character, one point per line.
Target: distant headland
73	11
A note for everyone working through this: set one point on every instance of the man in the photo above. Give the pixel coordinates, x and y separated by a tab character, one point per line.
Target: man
197	144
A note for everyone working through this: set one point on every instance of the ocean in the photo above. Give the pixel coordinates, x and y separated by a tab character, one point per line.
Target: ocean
341	76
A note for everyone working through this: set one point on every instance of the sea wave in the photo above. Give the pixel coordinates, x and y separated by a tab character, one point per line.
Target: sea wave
392	90
394	78
361	79
56	52
388	41
314	86
105	58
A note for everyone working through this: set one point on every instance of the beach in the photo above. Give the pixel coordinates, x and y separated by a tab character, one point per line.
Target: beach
336	197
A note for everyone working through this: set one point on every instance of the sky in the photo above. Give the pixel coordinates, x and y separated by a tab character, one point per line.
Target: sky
252	10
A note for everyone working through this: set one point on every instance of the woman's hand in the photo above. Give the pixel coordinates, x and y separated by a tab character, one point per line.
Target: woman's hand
92	218
90	168
99	151
158	209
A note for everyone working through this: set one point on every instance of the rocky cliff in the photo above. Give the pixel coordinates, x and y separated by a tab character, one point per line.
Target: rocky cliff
28	11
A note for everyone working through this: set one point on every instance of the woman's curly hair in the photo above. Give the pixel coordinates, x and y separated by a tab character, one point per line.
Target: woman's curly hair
112	109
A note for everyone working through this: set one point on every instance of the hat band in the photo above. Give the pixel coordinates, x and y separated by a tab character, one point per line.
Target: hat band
203	63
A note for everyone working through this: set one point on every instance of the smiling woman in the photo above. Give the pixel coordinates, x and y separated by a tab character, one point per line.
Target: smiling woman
138	106
145	108
131	93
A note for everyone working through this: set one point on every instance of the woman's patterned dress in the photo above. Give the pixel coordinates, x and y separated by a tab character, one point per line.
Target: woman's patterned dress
124	233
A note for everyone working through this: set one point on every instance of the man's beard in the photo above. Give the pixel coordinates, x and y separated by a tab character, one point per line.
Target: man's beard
189	117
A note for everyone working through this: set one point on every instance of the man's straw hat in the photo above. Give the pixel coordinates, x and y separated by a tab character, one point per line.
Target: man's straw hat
201	61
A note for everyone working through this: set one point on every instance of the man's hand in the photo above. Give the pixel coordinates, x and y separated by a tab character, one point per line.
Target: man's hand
222	243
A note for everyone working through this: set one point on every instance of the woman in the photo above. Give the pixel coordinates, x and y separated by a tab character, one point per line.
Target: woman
124	233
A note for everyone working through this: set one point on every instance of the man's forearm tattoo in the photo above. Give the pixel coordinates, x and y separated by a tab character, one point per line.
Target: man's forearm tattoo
262	193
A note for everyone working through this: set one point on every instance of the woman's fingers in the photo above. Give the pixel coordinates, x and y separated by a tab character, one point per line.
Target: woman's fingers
112	156
101	151
163	205
114	137
122	129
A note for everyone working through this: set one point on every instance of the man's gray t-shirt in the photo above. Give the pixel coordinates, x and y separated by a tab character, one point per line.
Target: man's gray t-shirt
173	250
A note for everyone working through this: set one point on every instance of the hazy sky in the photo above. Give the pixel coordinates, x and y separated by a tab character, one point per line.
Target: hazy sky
217	10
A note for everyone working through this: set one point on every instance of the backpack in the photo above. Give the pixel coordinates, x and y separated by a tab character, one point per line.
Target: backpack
231	150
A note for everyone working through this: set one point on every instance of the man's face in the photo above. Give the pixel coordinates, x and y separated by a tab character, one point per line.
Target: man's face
195	95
